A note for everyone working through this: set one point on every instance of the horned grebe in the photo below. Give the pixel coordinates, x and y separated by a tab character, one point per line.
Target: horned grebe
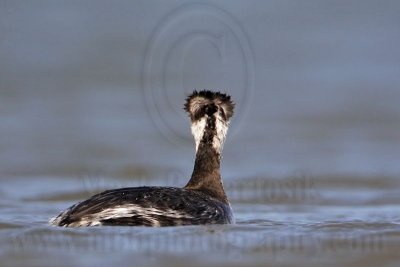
201	201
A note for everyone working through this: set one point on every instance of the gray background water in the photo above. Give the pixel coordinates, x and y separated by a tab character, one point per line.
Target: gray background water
91	96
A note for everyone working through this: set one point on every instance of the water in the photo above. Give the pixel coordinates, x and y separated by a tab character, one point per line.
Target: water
327	224
288	225
91	99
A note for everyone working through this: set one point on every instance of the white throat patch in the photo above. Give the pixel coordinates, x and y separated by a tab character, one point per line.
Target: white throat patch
198	130
222	129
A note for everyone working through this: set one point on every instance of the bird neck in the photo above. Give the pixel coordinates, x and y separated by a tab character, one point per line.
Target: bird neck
209	133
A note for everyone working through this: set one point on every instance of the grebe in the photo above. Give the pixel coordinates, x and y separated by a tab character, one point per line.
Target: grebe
201	201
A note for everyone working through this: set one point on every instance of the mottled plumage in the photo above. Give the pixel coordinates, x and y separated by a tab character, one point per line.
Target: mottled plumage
147	206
